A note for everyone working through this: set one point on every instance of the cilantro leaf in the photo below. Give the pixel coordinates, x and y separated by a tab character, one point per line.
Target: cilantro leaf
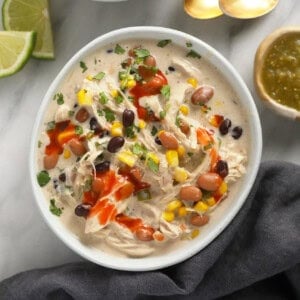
163	43
119	99
119	49
129	131
43	178
154	131
99	76
83	66
141	53
54	209
71	113
40	144
78	130
162	114
152	165
189	44
109	115
103	98
140	150
50	125
194	54
166	91
59	97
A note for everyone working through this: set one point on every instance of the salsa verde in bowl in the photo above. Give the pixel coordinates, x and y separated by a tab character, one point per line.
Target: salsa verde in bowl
145	147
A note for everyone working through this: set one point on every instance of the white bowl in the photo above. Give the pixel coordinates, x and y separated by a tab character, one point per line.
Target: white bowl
225	212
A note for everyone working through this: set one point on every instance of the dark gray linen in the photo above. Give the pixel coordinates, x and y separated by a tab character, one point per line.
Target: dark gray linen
256	257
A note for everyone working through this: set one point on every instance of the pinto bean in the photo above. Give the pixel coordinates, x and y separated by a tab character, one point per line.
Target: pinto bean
77	147
168	140
209	181
82	115
144	233
199	220
190	193
184	127
202	95
50	161
150	61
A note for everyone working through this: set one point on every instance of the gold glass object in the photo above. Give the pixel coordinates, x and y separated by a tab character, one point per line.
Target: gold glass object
203	9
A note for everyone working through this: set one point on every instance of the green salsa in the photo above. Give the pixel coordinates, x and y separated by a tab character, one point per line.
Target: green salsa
281	70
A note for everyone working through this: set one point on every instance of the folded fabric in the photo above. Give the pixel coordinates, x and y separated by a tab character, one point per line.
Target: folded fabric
256	257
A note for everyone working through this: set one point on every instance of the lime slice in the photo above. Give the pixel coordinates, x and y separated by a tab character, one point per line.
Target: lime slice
15	50
29	15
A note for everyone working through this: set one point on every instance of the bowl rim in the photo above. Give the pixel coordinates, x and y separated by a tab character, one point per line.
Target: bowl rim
261	52
146	263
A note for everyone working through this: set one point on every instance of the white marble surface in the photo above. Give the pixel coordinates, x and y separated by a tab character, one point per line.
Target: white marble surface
25	240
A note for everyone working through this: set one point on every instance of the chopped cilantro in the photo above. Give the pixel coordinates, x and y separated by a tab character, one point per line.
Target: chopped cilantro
71	113
162	114
140	150
129	132
163	43
122	75
207	147
54	209
50	125
166	91
154	131
83	66
99	76
40	144
103	99
78	130
190	154
141	53
189	44
88	184
119	99
152	165
119	49
194	54
43	178
177	120
100	113
59	97
109	115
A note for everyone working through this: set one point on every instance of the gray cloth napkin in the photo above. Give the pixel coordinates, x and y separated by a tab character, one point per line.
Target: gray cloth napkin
256	257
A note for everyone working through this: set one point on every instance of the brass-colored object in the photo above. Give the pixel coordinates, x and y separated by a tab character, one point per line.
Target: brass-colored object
203	9
247	9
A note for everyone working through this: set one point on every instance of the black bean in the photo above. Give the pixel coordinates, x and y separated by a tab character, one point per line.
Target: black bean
222	168
102	167
110	50
82	210
94	125
224	127
157	141
103	133
128	117
115	144
171	69
237	132
62	177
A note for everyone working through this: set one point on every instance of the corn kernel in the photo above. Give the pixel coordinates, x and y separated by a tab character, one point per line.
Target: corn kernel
116	129
182	212
201	206
127	157
184	110
173	205
67	153
181	151
223	188
195	233
154	157
211	201
180	175
168	216
142	124
131	83
160	132
90	135
89	77
84	97
192	81
172	158
114	93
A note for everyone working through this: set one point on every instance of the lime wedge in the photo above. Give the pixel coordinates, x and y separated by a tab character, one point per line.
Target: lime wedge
15	50
30	15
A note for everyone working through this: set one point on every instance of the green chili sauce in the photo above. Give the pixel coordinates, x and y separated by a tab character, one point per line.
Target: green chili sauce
281	71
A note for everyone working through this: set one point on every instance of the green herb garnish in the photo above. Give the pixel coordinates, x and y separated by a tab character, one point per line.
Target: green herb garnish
141	53
103	98
88	185
43	178
177	120
59	97
109	115
119	49
152	165
71	113
54	209
154	131
83	66
190	154
189	44
50	125
140	150
78	130
99	76
162	114
208	146
166	91
194	54
129	131
143	195
40	144
119	99
163	43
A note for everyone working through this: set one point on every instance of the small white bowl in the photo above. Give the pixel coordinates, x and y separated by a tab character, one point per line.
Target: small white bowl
222	216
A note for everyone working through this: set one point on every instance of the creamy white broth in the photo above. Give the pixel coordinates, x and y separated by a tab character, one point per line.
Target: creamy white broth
224	102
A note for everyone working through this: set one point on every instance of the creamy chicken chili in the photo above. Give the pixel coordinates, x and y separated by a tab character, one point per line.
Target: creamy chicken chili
143	140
